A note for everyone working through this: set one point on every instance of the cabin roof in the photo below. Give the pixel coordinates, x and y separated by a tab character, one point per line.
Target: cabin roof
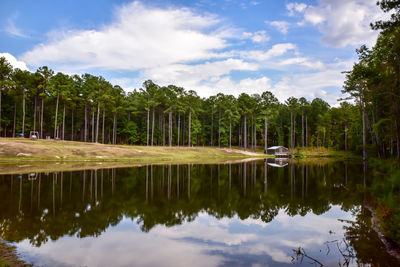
276	147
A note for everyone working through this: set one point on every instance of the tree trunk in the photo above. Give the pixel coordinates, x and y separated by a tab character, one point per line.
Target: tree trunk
212	127
364	133
255	136
97	121
72	124
230	134
114	137
102	126
63	128
302	129
294	130
266	134
291	131
190	127
152	128
163	128
345	138
148	127
15	117
93	127
219	128
85	128
391	147
245	133
239	134
376	136
23	113
170	127
183	130
252	133
179	127
306	132
34	113
41	119
56	114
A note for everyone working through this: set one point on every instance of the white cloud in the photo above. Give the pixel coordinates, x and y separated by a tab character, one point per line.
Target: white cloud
207	85
295	7
257	37
341	22
260	37
140	37
275	51
205	241
311	85
14	62
282	26
199	72
196	51
302	61
12	29
248	85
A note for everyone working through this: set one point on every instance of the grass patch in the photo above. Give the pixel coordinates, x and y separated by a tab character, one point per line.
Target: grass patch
314	152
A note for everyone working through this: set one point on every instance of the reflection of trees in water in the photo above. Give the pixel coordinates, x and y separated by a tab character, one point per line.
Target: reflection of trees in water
361	245
84	205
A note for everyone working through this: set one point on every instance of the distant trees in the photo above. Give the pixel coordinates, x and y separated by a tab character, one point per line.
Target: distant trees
5	71
88	108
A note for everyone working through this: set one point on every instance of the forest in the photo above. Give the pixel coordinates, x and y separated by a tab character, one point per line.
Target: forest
90	109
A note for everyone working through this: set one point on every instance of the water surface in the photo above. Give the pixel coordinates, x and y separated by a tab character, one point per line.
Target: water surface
256	213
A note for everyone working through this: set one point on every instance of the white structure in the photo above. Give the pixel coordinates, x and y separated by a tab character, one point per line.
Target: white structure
278	151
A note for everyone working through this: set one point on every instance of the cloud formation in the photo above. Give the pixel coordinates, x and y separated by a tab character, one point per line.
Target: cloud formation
140	37
280	25
204	52
341	22
14	62
12	29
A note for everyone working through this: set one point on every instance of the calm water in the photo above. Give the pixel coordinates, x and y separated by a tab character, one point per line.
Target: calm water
254	213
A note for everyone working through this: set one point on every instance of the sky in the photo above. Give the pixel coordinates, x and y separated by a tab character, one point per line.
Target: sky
291	48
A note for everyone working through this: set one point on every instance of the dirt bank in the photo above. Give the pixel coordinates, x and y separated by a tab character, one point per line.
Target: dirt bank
9	257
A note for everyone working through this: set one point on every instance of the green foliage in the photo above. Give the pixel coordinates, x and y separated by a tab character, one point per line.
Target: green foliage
158	115
385	190
131	130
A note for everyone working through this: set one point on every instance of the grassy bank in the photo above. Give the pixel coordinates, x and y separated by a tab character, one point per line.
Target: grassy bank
322	152
18	154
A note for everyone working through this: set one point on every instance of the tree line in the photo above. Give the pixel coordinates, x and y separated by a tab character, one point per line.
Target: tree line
90	109
374	84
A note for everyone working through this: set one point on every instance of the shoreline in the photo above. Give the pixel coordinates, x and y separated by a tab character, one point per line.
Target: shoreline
392	247
9	256
25	150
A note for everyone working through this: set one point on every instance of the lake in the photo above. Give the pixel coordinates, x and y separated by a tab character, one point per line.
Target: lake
257	213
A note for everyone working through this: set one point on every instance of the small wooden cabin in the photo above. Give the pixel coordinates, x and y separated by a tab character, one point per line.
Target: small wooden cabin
278	151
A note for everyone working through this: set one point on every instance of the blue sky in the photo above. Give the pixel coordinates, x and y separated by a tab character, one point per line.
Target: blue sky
289	48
